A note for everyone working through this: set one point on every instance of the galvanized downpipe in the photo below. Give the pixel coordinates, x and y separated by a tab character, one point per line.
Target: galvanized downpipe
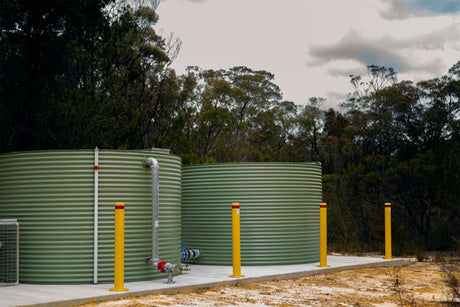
162	266
155	166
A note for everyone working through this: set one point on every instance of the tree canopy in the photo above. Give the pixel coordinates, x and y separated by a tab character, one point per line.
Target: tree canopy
78	75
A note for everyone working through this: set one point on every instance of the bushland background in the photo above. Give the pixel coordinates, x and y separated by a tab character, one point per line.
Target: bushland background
81	74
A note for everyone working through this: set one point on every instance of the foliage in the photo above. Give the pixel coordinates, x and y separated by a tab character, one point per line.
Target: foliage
79	75
74	77
404	150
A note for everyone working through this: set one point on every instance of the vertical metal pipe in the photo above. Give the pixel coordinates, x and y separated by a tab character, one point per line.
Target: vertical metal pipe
156	207
96	213
17	253
155	166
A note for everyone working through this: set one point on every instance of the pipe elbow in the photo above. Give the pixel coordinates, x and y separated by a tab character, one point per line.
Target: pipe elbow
152	163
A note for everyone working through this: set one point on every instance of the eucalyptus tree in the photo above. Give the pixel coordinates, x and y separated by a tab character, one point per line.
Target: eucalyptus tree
78	75
231	107
36	39
308	128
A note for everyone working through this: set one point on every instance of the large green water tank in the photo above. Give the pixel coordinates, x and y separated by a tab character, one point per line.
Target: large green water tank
279	211
52	195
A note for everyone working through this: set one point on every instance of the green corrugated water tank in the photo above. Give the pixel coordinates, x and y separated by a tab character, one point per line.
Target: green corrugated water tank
279	211
52	195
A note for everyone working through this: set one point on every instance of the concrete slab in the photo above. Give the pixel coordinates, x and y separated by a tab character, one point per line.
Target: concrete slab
200	277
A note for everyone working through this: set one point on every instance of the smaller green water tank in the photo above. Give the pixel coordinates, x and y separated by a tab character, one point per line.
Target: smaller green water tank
279	211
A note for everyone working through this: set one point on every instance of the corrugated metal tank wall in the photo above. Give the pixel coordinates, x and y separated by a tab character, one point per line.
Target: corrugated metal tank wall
279	211
123	177
51	193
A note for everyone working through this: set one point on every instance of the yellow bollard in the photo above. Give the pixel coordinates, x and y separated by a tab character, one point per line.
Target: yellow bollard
119	269
388	231
236	240
323	236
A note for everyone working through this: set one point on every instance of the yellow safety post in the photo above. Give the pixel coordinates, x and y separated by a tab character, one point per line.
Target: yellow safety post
236	240
388	231
119	269
323	236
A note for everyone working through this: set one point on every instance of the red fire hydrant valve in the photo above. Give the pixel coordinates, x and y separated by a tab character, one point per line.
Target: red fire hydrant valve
161	266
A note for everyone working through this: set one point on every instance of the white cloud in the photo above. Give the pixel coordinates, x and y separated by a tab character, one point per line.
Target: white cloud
409	54
353	46
345	68
335	38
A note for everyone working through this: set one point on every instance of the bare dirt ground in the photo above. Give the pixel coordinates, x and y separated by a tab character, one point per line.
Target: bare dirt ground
415	284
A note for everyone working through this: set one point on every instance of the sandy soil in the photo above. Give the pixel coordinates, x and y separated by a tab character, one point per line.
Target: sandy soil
416	284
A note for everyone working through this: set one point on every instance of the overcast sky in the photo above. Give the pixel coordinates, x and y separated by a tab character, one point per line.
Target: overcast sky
313	46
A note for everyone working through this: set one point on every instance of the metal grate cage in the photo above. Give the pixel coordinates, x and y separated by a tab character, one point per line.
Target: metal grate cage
9	253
